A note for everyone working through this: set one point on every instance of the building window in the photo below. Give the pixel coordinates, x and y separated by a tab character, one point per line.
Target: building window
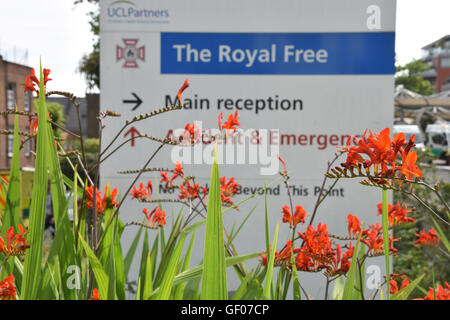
28	145
445	62
27	101
10	143
11	96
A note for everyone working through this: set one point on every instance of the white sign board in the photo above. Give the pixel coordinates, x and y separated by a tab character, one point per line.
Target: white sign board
305	74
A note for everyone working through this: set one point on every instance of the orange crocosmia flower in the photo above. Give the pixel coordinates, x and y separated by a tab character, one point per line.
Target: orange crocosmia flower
90	197
145	211
180	91
33	125
32	80
189	191
232	122
205	192
144	192
304	262
354	225
398	141
347	145
284	255
283	163
382	153
363	147
287	215
409	145
229	188
165	178
353	158
15	243
95	295
29	86
393	287
7	288
339	263
178	171
396	214
190	128
159	217
109	199
430	239
409	167
46	72
346	259
381	144
220	121
190	133
150	187
316	252
263	259
226	201
298	217
317	242
441	294
373	239
156	218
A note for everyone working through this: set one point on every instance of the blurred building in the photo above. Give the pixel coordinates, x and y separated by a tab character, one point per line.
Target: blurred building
89	109
70	113
12	84
437	56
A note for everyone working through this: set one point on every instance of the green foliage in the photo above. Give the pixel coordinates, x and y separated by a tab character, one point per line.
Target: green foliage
90	67
415	261
214	282
91	146
268	284
33	258
410	76
351	275
56	114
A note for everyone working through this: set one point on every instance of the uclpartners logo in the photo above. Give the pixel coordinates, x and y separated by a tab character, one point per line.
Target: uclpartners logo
128	10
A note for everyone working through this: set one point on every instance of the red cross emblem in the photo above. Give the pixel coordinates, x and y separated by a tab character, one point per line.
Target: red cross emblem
130	53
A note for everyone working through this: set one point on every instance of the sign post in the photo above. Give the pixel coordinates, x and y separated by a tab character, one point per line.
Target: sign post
303	76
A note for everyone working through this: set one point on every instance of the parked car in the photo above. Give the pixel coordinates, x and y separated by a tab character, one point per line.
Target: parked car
409	130
438	138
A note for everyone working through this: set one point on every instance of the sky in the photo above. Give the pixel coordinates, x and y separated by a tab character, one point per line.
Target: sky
59	33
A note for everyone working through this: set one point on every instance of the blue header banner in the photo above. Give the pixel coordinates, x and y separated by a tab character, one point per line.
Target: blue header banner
368	53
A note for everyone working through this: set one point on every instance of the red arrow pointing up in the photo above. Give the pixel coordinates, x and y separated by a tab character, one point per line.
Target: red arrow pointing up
133	131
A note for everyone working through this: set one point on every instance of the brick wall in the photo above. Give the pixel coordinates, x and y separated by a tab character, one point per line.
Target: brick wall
12	84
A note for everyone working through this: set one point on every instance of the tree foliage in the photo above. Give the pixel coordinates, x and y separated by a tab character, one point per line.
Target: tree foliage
410	76
90	62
